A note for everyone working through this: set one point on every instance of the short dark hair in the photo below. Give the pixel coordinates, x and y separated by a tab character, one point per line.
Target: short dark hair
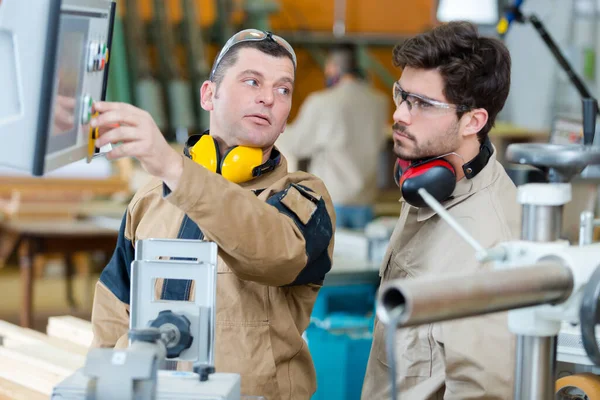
475	69
345	57
266	46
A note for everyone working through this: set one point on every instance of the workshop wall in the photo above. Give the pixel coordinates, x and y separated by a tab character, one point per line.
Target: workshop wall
381	17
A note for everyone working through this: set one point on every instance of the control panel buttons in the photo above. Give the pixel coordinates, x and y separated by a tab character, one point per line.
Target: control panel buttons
94	48
103	56
97	56
86	109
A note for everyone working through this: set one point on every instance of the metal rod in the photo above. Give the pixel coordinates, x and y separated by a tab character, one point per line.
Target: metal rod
536	358
560	58
445	215
541	223
339	18
586	228
427	300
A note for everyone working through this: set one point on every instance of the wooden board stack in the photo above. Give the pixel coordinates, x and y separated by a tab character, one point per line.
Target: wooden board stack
32	363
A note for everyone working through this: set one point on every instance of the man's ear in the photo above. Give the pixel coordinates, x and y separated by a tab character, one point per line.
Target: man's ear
207	93
475	120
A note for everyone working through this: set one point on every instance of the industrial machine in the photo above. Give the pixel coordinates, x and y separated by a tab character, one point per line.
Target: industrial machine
161	330
544	281
552	288
55	60
50	76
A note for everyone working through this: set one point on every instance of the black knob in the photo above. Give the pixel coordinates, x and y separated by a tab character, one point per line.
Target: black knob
204	371
167	320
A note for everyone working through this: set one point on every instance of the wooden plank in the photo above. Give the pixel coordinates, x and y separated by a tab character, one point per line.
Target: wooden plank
32	361
44	209
71	329
32	372
27	185
12	391
50	357
13	335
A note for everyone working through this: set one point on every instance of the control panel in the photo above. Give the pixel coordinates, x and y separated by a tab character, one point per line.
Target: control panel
52	87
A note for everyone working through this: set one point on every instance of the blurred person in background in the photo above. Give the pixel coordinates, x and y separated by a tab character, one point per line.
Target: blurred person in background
341	131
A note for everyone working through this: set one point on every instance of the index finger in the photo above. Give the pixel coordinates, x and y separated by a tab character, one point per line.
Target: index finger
115	118
105	106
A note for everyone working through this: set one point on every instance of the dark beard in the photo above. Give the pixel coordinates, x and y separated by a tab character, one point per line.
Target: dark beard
446	144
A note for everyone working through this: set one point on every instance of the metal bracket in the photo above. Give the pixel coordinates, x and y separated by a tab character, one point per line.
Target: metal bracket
177	259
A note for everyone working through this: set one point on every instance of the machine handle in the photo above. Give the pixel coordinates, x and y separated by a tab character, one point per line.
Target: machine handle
589	315
590	111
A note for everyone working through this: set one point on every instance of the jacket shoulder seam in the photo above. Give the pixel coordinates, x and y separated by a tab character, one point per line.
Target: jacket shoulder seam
136	200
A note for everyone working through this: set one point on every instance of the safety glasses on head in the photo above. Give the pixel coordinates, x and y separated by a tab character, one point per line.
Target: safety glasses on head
421	105
252	35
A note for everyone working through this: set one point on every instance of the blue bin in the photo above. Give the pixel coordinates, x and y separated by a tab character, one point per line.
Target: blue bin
339	339
353	299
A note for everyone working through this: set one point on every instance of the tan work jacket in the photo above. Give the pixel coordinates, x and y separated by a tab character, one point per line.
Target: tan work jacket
472	358
275	238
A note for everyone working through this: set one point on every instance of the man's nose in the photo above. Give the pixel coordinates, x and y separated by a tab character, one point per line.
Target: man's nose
402	114
265	96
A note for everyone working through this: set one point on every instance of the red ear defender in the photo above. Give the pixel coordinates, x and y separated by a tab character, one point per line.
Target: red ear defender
399	167
436	175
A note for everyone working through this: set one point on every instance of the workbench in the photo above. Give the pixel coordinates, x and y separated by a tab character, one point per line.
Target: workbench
54	236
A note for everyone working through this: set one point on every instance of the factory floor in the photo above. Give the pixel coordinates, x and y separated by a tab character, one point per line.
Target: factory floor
49	297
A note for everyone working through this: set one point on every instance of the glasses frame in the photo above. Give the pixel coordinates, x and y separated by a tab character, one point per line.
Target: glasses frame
399	93
252	35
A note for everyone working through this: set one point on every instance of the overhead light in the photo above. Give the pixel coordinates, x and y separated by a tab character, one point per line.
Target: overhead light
481	12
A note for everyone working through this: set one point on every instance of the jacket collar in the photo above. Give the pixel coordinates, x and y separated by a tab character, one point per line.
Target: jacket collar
268	179
261	182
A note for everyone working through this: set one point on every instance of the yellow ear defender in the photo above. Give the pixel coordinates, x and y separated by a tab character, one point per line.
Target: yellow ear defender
239	164
206	153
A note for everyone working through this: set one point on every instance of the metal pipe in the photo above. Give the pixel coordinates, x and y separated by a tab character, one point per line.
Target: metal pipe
536	358
427	300
536	355
560	58
339	18
586	228
541	223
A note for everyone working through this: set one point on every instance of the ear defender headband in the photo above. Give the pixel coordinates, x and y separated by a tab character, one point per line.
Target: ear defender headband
436	175
239	164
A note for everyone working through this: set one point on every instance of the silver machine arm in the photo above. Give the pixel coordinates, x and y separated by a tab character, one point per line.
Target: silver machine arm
422	301
541	280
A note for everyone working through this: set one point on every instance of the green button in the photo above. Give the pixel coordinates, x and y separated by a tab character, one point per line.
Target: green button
87	109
